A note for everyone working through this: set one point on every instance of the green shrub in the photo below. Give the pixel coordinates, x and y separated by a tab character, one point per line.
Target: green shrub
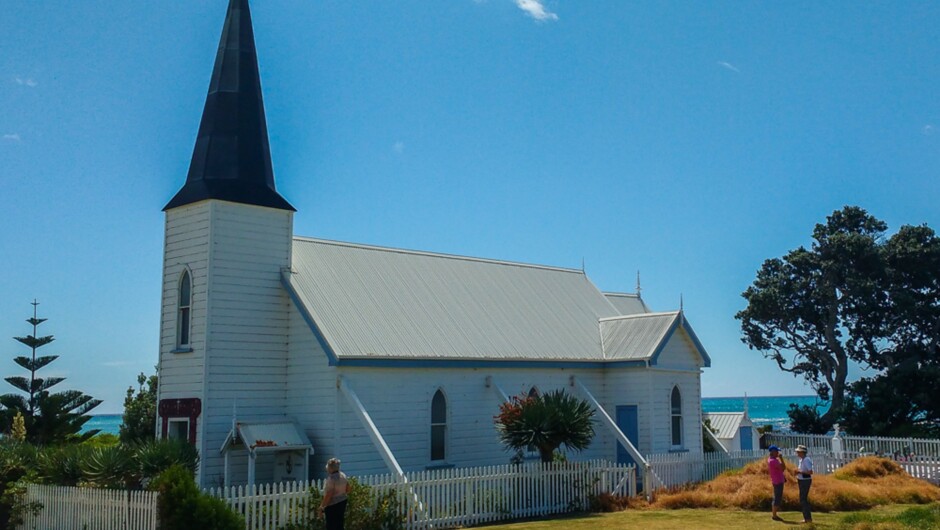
16	462
63	465
364	511
110	467
182	506
156	456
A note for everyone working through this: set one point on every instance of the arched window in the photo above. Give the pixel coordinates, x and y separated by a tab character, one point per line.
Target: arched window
183	313
533	392
438	426
676	417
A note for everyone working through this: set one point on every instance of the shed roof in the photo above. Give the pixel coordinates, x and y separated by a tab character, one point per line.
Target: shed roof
726	423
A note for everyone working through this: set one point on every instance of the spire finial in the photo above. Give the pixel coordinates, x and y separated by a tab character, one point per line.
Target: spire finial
680	303
745	405
582	264
638	288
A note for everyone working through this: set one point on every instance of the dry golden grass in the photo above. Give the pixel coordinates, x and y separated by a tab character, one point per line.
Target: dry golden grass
863	484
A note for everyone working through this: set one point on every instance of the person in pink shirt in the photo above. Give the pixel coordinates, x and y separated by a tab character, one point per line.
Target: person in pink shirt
776	467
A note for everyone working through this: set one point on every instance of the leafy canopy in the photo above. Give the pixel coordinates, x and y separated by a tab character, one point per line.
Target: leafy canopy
854	297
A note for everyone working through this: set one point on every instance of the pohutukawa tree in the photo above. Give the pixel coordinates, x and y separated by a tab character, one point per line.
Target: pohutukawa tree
854	297
48	417
546	422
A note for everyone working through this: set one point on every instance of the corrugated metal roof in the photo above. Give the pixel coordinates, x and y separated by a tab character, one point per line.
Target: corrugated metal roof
635	337
270	436
375	302
628	304
726	423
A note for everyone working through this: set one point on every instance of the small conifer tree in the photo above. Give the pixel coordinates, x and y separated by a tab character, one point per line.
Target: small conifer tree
47	417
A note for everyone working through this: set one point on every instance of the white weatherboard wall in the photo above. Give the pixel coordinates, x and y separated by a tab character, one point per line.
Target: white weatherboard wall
677	365
311	391
399	402
241	250
186	247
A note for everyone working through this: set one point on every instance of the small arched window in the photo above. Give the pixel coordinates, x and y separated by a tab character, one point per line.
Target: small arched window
183	313
676	402
533	392
438	426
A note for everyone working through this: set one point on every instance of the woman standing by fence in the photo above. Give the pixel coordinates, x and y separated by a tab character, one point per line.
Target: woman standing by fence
335	491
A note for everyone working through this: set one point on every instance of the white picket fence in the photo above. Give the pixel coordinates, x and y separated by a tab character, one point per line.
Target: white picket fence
884	446
67	508
678	469
448	498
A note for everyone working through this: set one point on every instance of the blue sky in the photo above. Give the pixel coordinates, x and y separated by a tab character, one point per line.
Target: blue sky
687	140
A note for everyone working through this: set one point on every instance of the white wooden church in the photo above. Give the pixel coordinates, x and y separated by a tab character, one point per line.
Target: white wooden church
278	352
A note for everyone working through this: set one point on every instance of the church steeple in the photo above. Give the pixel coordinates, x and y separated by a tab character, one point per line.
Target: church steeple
232	159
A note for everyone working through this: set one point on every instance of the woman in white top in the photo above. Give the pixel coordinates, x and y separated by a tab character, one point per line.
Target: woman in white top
333	506
804	478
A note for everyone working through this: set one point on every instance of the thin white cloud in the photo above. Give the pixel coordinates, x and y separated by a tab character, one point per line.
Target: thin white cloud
729	66
115	363
399	147
536	10
929	129
12	137
28	81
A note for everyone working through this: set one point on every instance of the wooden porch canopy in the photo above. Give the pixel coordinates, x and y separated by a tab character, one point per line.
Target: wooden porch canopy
264	438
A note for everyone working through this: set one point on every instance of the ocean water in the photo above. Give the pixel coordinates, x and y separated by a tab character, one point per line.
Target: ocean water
763	410
106	423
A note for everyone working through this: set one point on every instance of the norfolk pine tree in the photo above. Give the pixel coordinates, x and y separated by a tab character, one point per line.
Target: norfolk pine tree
48	418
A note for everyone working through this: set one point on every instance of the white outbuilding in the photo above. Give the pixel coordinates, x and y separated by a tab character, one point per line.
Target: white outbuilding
279	352
733	430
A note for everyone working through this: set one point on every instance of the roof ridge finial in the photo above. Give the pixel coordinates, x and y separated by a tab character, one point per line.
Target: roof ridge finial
582	264
681	304
638	288
745	405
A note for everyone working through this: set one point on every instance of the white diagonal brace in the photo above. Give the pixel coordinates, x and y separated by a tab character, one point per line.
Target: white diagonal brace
371	429
621	437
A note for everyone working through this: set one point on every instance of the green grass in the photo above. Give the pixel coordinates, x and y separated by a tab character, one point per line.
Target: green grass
881	518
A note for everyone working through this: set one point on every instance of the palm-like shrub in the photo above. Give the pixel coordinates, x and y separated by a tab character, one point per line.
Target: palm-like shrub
546	422
155	456
111	467
63	465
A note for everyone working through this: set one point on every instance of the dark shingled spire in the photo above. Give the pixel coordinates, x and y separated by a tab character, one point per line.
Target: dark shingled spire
232	160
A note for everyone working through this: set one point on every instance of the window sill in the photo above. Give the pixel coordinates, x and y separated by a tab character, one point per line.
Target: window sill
678	450
438	465
182	350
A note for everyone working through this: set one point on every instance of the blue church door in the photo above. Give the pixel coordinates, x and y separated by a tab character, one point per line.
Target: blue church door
747	441
628	423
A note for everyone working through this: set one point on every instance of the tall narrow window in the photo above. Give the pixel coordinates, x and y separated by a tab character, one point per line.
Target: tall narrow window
185	303
438	426
676	417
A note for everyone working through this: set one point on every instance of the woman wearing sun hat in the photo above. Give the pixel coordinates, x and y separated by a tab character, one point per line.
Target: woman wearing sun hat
776	468
804	478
